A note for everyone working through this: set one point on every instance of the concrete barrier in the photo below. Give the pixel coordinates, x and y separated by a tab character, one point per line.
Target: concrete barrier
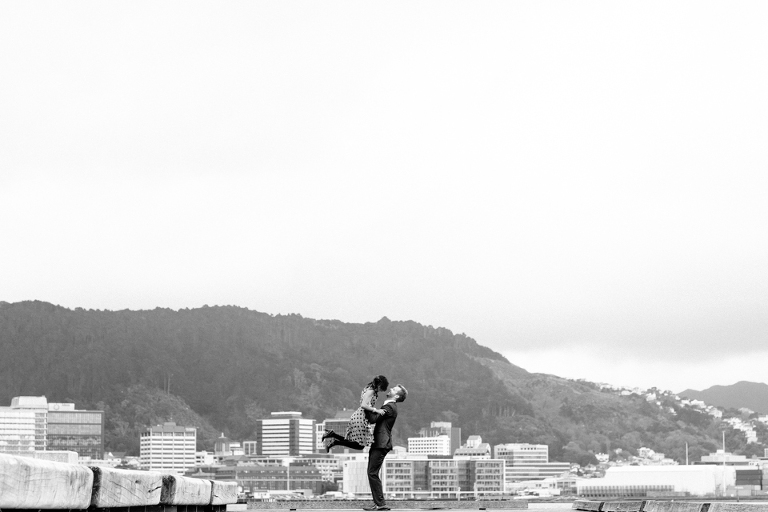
393	504
40	484
674	506
181	490
623	506
125	488
718	506
588	505
223	493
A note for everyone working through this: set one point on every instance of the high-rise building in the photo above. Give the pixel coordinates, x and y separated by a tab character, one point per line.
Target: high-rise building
17	432
76	430
438	428
285	433
168	447
23	425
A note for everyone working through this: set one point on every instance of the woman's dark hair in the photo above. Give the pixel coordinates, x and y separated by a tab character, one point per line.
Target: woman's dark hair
379	383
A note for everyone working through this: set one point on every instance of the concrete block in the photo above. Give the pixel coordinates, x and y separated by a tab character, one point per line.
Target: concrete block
622	506
40	484
182	490
125	487
719	506
223	493
673	506
588	505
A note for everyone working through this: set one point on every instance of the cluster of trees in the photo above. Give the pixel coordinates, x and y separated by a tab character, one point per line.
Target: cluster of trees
222	368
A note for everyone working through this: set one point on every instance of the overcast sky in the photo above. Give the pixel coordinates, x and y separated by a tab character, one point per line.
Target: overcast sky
582	186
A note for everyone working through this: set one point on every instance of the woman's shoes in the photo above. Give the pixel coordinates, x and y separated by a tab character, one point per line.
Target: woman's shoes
327	434
329	443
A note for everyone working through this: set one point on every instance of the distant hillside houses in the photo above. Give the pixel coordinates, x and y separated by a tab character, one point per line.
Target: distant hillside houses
749	431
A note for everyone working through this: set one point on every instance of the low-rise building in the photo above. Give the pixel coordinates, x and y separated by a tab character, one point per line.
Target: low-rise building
428	478
259	478
438	445
645	481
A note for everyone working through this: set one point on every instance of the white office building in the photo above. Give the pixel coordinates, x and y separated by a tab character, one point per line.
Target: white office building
522	453
24	425
525	461
285	433
437	445
168	447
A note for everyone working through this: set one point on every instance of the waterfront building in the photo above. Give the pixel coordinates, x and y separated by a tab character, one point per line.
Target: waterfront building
437	445
168	447
551	486
285	433
720	457
259	478
645	481
523	471
77	430
328	464
522	453
428	478
525	461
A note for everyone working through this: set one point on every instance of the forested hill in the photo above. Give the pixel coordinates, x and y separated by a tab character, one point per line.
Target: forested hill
232	365
222	368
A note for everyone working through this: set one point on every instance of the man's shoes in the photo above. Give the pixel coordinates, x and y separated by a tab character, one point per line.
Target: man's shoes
383	507
376	508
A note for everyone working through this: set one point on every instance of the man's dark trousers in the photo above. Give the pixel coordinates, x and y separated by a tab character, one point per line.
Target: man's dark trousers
382	445
375	460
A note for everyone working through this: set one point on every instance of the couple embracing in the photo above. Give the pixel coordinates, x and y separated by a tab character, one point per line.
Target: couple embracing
360	434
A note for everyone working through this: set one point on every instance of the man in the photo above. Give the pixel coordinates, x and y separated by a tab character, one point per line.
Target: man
382	443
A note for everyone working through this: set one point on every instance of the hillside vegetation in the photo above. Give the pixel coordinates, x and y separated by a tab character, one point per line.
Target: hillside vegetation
222	368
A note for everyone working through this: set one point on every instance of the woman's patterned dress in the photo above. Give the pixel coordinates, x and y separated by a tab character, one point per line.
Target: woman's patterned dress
358	428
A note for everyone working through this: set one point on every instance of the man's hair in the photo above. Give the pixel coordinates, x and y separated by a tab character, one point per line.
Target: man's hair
402	394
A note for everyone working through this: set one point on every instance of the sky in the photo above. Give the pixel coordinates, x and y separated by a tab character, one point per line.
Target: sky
580	186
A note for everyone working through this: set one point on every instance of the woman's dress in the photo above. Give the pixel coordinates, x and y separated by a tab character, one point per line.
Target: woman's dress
358	428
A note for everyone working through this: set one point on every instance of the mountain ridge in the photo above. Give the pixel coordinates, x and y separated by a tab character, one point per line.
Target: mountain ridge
230	366
752	395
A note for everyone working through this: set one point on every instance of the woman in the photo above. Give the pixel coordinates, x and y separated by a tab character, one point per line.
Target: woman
359	433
